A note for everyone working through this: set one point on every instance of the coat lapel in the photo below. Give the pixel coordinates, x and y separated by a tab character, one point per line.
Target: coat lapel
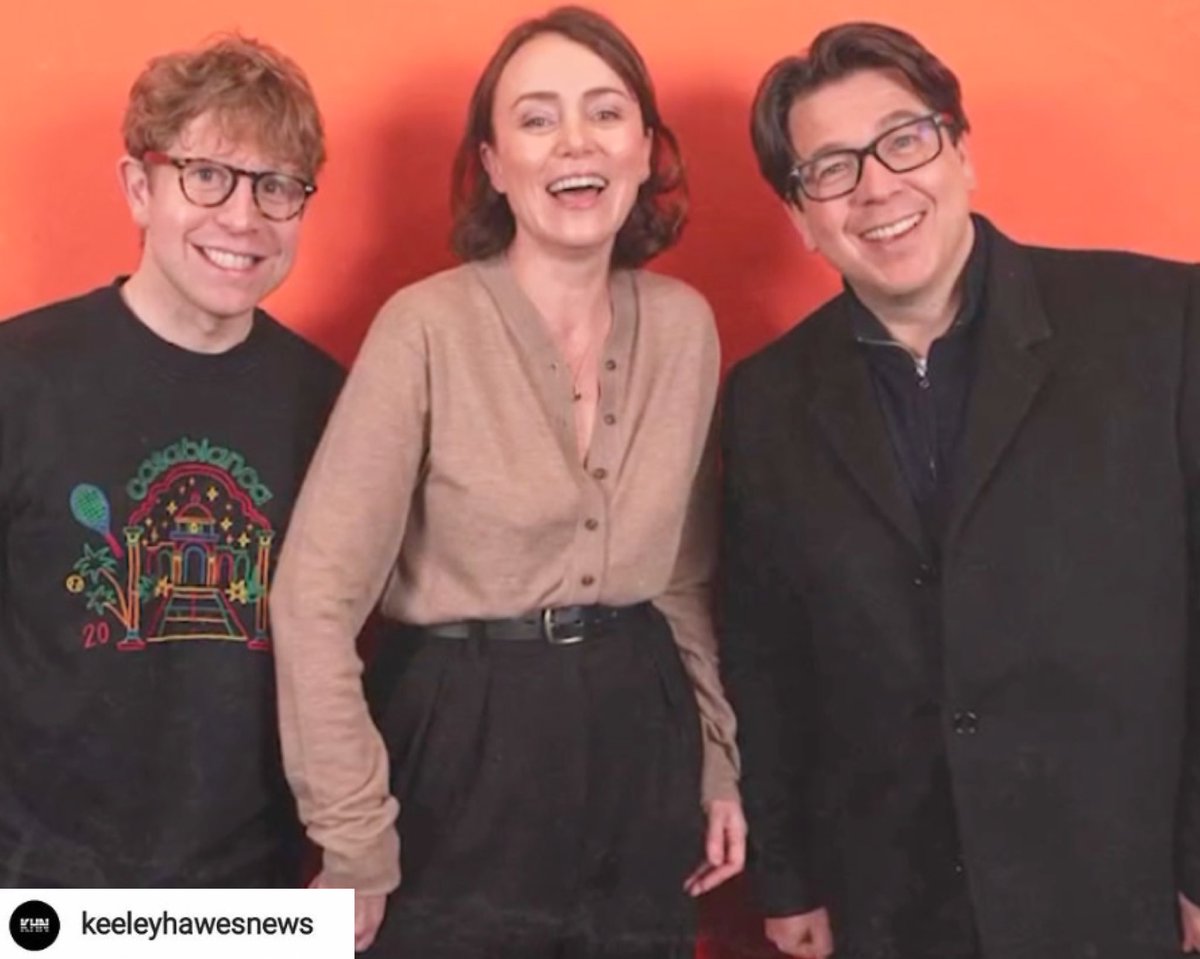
847	411
1010	372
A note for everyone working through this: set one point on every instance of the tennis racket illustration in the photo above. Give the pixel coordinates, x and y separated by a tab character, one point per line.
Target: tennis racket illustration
90	507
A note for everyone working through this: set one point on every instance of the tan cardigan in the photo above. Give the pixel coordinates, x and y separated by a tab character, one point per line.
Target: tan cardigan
448	486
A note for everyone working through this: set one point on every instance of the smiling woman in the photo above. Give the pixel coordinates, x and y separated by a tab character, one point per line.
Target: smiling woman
569	149
621	102
519	473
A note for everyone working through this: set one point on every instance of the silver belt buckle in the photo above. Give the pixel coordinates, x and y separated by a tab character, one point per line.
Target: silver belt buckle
548	631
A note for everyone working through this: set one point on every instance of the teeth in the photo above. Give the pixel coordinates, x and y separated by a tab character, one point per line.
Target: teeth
584	182
228	260
890	230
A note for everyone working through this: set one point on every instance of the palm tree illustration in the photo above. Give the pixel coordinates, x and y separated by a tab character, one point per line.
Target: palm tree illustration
95	565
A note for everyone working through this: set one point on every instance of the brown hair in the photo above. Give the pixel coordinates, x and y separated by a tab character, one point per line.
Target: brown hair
483	221
836	53
256	94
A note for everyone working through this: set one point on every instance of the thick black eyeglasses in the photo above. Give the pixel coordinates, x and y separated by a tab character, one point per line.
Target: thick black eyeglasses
901	148
278	196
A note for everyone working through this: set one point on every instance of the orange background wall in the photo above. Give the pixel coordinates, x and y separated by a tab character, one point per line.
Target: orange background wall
1086	117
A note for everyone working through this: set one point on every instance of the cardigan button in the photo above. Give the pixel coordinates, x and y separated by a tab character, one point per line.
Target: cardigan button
966	723
925	575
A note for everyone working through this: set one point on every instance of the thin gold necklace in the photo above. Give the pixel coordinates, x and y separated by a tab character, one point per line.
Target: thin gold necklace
576	392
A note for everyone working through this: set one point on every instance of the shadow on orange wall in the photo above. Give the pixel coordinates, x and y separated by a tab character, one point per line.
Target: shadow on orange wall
61	208
739	247
401	192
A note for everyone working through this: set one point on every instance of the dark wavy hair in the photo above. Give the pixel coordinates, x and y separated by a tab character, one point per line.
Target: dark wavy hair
483	221
836	53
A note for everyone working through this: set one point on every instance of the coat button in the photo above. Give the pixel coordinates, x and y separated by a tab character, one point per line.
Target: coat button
966	723
588	580
925	575
591	523
599	473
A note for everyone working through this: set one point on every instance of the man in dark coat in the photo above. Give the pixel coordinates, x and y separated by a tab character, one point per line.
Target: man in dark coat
961	548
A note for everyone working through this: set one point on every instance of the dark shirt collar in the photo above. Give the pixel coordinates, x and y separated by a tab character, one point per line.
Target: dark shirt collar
870	330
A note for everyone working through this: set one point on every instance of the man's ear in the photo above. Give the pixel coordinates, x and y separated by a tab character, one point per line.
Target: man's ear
135	185
799	220
964	156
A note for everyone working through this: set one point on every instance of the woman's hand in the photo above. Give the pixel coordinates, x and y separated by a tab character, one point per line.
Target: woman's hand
724	847
368	913
806	936
1189	922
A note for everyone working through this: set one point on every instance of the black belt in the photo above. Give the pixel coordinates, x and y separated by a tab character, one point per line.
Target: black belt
561	626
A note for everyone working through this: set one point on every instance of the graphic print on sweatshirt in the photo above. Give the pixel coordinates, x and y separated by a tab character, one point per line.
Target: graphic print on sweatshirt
191	561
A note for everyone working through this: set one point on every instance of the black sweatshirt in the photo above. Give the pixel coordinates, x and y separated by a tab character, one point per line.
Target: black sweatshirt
144	491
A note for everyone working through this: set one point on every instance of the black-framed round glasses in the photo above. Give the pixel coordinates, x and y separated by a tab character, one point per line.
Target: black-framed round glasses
278	196
901	148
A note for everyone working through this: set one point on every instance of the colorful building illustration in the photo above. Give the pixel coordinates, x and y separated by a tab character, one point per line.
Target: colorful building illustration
197	555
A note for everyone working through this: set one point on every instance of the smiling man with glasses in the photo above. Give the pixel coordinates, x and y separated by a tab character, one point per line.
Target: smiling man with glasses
278	196
835	173
962	516
153	434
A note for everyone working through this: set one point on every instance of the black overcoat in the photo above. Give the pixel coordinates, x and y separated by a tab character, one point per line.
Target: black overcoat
1041	651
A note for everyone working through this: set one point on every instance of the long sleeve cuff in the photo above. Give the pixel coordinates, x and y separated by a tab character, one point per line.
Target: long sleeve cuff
784	892
373	871
719	779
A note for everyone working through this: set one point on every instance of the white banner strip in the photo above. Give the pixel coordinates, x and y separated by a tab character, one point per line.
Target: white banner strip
177	923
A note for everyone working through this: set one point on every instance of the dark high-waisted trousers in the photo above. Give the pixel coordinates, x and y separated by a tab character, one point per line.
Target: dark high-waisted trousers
549	795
